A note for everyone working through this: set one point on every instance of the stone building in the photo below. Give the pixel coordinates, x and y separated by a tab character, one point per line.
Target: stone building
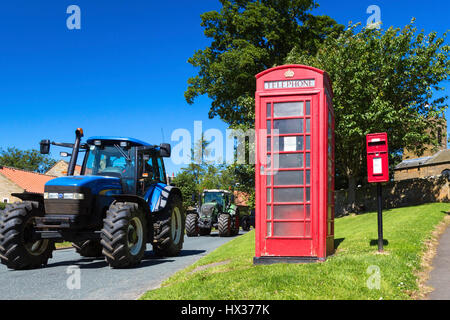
60	169
17	181
434	161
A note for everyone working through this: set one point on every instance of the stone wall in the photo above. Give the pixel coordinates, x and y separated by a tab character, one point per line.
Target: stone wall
396	194
6	188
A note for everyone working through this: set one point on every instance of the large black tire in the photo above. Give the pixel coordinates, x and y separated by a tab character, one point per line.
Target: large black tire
224	225
245	223
17	250
124	235
169	226
235	224
89	248
192	225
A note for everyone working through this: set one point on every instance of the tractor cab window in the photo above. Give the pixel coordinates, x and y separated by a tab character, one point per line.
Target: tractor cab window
216	197
148	172
112	161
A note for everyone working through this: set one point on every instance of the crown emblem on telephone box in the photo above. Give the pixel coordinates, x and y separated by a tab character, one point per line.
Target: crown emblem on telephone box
289	74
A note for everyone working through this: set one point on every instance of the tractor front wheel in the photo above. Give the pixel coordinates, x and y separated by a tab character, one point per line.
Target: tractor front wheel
124	235
192	225
18	249
169	226
224	225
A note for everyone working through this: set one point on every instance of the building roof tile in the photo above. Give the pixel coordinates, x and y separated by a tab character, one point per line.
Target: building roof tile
27	180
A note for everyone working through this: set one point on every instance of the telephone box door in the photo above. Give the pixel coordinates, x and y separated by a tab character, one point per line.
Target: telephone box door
286	187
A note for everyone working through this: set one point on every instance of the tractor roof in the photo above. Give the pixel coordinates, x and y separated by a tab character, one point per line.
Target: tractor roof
134	142
216	190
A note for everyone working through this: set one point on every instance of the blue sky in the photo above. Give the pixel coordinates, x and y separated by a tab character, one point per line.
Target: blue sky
125	71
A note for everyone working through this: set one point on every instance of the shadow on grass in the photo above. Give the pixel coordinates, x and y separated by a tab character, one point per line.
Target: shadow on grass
337	242
374	243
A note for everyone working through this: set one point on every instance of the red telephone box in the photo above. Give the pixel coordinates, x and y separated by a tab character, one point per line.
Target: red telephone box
377	157
294	165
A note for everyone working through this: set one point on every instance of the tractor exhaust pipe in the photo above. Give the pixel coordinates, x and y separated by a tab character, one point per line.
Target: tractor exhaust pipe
76	148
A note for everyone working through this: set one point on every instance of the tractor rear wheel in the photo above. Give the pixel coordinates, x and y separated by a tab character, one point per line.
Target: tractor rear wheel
124	235
89	248
235	225
245	223
192	225
18	250
224	225
169	229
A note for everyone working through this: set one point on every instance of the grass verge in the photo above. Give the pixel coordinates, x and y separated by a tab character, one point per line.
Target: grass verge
228	272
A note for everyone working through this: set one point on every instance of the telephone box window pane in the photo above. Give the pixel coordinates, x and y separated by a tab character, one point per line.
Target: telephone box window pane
269	110
289	212
288	109
269	195
269	229
308	108
308	125
269	213
289	144
288	195
269	144
308	142
293	160
288	178
288	126
269	180
269	162
308	160
288	229
269	127
308	194
308	177
308	229
308	211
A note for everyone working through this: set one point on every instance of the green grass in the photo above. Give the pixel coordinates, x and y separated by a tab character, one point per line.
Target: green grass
343	276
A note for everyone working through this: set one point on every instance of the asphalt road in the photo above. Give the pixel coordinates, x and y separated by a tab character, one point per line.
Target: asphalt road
97	279
440	275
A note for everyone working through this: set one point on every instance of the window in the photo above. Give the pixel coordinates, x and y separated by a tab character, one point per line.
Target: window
5	200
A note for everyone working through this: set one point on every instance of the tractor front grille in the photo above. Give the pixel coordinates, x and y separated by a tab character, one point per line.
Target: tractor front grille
207	210
61	206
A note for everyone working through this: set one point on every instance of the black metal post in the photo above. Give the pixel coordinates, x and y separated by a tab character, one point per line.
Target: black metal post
380	217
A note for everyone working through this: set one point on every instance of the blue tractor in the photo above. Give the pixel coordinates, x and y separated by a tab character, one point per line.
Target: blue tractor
120	202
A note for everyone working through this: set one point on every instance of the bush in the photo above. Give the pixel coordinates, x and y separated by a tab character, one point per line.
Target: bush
2	205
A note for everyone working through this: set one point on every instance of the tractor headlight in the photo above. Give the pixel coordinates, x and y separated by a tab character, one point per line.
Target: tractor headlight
73	196
65	196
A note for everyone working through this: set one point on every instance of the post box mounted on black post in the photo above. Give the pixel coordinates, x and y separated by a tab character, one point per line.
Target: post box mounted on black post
378	172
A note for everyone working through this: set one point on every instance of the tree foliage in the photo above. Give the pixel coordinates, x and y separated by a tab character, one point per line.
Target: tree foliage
249	36
31	160
383	81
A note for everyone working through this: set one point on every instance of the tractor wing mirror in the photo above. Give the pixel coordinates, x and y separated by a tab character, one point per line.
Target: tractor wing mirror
45	146
165	150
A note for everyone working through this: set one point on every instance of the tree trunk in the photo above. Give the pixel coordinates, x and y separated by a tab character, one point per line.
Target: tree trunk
351	193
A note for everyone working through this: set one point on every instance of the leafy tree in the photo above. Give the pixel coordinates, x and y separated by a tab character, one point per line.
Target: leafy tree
31	160
249	36
383	81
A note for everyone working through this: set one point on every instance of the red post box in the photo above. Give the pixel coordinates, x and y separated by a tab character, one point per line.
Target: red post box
294	165
377	158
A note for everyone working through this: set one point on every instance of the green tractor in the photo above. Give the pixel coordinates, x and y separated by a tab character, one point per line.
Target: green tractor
216	210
